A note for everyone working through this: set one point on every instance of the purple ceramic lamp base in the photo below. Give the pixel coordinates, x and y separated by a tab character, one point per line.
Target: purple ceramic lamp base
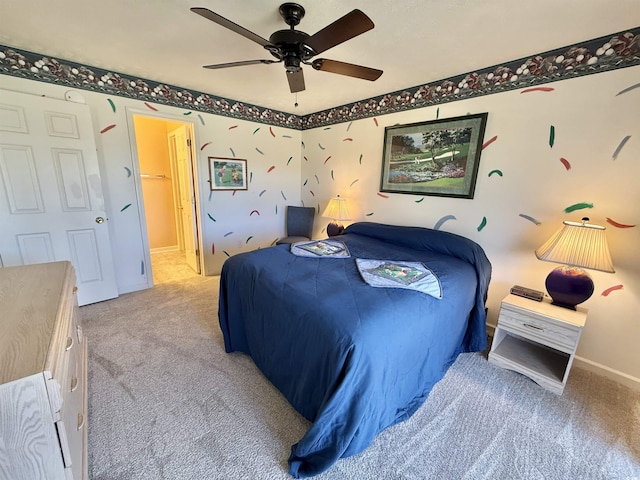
569	286
334	229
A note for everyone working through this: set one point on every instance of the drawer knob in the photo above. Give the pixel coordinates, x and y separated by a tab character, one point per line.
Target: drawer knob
80	421
74	383
69	343
535	327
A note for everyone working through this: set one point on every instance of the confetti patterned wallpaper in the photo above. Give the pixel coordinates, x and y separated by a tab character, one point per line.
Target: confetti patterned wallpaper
232	221
562	150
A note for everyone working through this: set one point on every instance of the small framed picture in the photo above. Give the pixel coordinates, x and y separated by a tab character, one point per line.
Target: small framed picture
438	157
227	173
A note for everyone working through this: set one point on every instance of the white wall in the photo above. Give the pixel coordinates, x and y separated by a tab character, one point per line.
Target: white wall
590	122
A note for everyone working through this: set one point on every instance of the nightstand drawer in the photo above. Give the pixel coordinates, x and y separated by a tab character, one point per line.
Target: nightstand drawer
561	336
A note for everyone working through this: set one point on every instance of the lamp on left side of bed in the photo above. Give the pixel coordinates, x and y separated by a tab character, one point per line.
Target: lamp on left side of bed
337	211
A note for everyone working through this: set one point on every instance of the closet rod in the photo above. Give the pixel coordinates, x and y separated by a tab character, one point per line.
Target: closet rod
146	175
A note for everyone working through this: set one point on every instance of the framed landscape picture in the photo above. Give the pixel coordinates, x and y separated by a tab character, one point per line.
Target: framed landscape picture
227	173
439	157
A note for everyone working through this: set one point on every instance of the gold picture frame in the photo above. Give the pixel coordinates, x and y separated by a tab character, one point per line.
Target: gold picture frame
438	157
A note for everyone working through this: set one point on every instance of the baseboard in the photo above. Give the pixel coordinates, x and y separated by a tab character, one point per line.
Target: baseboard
616	375
580	362
173	248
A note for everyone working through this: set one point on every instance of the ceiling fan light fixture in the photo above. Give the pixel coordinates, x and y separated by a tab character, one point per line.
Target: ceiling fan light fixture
292	63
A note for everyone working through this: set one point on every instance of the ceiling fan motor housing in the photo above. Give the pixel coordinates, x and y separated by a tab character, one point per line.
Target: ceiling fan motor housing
291	48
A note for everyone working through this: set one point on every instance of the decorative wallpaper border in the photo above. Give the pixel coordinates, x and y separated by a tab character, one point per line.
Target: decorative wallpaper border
594	56
34	66
611	52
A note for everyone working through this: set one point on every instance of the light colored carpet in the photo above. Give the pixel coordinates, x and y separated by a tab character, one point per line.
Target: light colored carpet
166	402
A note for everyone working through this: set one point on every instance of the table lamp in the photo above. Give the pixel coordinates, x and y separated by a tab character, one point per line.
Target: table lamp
577	246
337	211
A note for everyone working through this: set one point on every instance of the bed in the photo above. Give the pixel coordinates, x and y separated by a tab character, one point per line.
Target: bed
353	358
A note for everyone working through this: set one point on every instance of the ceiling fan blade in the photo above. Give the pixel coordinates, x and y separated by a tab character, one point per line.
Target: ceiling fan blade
238	64
296	81
220	20
348	69
351	25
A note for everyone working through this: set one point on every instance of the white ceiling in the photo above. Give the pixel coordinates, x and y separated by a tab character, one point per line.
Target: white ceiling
414	41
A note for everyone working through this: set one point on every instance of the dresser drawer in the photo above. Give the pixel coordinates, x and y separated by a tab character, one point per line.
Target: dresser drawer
73	419
65	350
72	423
545	330
65	338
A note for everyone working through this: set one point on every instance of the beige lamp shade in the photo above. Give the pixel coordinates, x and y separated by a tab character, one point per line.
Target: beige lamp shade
337	209
580	245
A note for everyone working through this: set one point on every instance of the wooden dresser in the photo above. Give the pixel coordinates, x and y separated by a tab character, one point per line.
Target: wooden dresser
43	375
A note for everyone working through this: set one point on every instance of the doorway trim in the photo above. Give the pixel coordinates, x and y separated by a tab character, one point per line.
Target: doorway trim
131	112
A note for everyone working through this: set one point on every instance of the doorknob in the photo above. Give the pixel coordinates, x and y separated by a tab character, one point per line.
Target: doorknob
99	220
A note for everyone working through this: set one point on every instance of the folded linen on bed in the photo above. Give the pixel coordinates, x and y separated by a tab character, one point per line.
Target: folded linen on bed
399	274
321	249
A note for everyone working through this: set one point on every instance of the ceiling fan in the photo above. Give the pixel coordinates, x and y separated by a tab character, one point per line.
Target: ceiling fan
294	47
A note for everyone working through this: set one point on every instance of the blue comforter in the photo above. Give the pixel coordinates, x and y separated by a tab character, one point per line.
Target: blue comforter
352	358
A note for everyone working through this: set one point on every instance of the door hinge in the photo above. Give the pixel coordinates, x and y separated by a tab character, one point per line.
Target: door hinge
188	142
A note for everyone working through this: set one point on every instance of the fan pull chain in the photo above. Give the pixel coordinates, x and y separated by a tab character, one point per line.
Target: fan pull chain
296	104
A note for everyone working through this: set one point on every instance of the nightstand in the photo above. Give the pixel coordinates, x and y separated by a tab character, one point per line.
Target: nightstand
537	339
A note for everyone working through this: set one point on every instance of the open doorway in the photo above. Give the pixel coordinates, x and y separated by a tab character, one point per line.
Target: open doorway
165	154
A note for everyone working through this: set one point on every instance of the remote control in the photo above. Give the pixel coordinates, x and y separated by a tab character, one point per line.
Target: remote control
527	293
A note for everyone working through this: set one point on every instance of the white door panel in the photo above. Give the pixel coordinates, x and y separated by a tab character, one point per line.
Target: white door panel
20	179
51	203
35	248
72	181
12	119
